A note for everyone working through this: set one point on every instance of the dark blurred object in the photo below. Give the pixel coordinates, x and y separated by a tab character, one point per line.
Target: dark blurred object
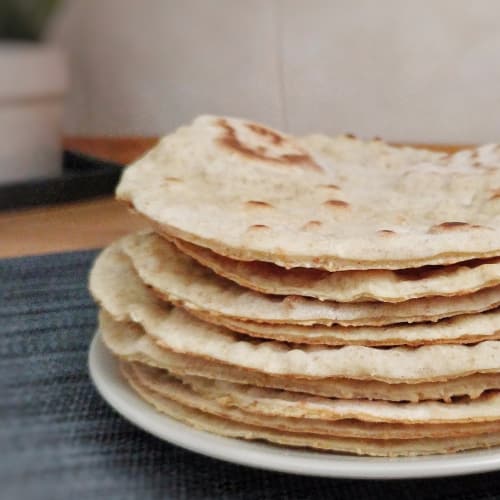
82	177
25	19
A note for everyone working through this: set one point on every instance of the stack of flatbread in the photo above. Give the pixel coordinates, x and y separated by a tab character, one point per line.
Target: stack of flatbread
318	292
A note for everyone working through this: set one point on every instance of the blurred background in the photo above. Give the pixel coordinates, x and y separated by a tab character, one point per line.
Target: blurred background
107	77
426	71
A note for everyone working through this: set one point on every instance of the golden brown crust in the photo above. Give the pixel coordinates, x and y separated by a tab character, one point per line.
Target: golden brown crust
297	157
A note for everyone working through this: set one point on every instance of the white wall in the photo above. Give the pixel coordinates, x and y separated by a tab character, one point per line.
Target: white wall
409	71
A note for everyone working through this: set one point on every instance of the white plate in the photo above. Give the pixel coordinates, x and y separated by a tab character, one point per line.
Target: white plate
105	374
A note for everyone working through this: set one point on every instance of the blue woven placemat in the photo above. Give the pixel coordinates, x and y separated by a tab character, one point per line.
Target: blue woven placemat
59	440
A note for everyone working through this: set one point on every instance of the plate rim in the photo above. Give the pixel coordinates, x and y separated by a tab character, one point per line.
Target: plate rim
104	373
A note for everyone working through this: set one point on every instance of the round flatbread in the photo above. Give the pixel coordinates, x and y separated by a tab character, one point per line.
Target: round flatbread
167	385
117	287
273	402
179	279
386	447
464	329
351	286
252	193
129	341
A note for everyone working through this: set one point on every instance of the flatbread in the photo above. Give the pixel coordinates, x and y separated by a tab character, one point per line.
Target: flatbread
179	279
276	403
118	289
251	193
464	329
347	149
397	447
351	286
129	341
165	384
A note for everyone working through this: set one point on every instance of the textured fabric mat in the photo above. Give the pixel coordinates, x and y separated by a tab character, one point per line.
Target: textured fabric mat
59	440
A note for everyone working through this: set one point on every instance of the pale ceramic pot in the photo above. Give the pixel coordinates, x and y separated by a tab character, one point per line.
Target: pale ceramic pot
33	82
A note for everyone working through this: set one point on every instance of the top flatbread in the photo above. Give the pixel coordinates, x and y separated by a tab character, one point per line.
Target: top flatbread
251	193
351	286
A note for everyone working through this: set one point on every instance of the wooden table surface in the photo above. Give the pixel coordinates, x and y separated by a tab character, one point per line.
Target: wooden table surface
87	224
